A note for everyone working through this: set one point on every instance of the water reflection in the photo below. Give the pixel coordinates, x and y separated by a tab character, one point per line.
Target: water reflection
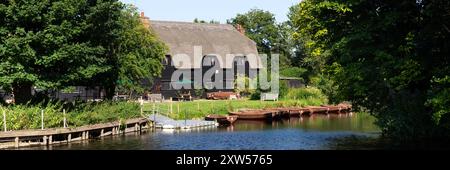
341	122
316	132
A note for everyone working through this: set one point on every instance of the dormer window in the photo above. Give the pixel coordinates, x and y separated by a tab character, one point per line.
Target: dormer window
166	61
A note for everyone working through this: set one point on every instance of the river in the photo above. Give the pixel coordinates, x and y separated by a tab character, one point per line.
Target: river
319	132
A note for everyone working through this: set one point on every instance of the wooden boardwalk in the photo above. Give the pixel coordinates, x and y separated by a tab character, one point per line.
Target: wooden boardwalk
164	122
22	138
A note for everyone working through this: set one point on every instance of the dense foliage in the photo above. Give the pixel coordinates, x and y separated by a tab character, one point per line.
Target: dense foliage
21	117
139	53
55	44
390	57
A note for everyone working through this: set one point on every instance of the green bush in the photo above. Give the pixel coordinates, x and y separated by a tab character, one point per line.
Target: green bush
311	94
103	112
21	117
255	95
24	117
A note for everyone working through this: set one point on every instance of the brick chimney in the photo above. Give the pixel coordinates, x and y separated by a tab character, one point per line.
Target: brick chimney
240	28
145	20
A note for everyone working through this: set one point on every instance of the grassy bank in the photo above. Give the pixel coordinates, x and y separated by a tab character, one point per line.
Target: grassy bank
300	97
199	109
22	117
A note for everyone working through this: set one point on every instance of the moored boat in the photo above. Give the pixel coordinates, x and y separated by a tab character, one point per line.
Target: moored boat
253	115
318	110
222	120
283	112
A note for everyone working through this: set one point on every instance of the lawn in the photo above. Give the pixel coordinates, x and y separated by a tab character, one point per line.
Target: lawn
200	108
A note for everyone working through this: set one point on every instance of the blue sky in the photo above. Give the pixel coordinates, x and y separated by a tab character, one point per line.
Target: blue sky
218	10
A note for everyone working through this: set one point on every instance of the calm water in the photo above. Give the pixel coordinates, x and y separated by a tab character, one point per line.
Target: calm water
318	132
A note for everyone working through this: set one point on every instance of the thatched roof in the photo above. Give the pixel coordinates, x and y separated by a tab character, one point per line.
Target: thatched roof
220	40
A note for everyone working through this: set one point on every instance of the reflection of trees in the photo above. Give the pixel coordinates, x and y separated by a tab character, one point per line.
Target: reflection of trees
361	122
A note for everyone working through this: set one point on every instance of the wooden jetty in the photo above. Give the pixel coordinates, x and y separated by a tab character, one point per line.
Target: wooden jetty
24	138
163	122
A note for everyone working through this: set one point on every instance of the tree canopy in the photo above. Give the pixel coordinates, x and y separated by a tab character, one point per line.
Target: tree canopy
139	53
271	37
390	57
260	26
54	44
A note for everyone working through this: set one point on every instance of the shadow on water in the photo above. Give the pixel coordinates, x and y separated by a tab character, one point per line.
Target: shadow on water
382	143
323	123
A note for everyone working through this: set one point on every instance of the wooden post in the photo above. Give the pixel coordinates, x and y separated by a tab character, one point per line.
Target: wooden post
4	120
142	104
87	135
44	140
153	108
42	119
101	132
83	135
65	120
171	106
69	137
168	110
16	142
50	140
158	109
136	127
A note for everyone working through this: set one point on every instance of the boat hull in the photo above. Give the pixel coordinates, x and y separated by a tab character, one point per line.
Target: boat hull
254	115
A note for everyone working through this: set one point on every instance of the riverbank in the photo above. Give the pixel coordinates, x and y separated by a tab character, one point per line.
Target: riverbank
318	132
46	137
71	115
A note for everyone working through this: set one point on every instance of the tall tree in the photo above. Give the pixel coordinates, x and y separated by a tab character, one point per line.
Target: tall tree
45	43
139	53
260	26
59	43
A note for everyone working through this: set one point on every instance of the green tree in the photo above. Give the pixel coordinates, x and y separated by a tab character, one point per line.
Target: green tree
139	53
55	44
46	44
196	20
390	57
293	72
260	26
